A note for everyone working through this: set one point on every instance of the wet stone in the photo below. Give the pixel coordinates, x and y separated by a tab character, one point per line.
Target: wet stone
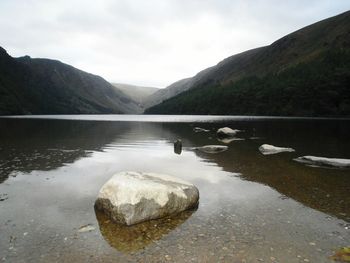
3	197
86	228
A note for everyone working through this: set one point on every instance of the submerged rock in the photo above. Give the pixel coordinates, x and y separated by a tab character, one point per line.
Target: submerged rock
324	161
133	238
226	132
267	149
212	148
198	129
228	140
3	197
133	197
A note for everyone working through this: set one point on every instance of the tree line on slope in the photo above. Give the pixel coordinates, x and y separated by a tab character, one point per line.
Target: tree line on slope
320	87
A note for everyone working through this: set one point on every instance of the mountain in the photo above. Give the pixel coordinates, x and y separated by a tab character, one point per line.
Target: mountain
44	86
173	90
137	93
306	73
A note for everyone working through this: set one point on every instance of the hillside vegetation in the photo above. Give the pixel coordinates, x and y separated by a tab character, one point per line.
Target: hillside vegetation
44	86
305	73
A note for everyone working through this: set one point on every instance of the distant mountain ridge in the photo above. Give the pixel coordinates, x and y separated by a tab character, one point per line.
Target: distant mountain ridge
137	93
45	86
310	64
174	89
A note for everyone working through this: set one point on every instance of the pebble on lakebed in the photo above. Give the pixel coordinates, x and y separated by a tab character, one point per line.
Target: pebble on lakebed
86	228
134	197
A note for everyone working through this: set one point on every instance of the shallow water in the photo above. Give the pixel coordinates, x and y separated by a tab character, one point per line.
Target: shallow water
253	208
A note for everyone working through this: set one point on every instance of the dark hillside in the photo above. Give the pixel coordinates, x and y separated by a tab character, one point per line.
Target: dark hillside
44	86
304	73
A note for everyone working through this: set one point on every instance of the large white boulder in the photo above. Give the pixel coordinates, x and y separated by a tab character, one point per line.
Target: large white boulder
133	197
267	149
324	161
226	132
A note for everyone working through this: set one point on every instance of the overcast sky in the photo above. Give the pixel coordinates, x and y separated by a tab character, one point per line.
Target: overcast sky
151	42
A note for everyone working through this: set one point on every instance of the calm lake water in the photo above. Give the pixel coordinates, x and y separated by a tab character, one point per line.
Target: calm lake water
253	208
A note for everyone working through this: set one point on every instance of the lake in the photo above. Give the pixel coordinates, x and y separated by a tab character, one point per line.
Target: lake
252	207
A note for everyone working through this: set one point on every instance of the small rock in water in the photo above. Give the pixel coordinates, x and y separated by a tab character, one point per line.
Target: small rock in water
312	244
226	132
324	161
12	239
3	197
267	149
283	197
228	140
86	228
212	148
198	129
178	146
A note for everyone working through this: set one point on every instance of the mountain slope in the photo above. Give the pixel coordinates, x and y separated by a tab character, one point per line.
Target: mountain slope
44	86
174	89
137	93
261	73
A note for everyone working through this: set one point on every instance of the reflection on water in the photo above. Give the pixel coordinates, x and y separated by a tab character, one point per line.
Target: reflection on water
326	190
133	238
252	208
27	145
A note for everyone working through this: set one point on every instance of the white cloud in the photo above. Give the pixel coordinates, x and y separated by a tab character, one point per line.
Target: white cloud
153	42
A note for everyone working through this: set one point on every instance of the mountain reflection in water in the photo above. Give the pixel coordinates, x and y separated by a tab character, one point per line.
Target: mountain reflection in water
27	145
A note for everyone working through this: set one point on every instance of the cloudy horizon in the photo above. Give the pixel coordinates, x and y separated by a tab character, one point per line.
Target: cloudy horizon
155	42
